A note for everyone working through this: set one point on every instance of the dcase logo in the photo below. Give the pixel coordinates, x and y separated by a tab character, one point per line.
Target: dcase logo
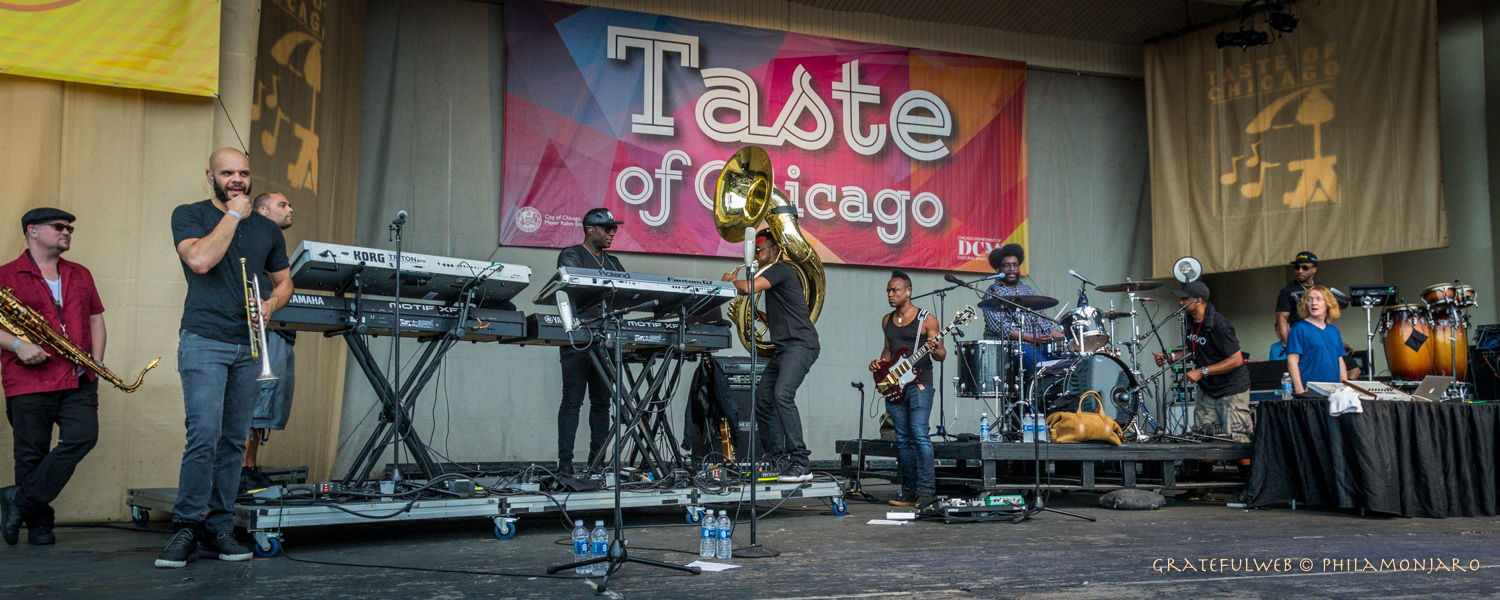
971	248
528	219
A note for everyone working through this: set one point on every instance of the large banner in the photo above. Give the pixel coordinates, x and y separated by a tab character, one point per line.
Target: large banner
894	156
164	45
1325	140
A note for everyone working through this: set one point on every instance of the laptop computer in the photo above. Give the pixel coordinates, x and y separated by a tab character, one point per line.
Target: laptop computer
1433	388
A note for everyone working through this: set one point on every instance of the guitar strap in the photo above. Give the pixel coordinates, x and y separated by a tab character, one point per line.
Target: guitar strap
921	319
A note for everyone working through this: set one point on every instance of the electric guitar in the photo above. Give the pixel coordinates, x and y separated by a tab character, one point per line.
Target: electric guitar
892	376
726	440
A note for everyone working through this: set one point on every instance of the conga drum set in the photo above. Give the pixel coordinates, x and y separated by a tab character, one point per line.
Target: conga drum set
1431	338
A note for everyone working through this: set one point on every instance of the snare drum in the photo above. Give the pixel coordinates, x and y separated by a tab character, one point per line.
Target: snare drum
1398	326
1084	329
984	368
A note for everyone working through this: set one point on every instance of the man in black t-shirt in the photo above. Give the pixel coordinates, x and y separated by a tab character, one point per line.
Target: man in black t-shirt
578	372
1223	381
789	320
213	353
1306	264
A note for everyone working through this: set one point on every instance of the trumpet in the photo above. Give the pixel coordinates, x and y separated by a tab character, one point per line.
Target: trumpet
255	322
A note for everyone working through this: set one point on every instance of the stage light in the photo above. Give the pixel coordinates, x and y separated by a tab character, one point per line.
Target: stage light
1283	22
1243	38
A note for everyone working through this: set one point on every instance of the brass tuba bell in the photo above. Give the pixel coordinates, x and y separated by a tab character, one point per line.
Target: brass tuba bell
745	196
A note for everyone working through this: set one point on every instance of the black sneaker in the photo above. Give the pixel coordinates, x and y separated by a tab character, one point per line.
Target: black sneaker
181	549
226	546
39	531
903	499
795	473
564	469
925	500
258	478
10	516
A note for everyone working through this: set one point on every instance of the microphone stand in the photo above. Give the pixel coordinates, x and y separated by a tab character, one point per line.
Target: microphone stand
754	550
618	555
858	489
394	231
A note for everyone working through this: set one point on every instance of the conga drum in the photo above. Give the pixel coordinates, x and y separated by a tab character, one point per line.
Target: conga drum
1450	335
1405	332
1441	295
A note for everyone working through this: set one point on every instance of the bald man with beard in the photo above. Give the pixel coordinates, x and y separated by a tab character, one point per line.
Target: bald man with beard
219	389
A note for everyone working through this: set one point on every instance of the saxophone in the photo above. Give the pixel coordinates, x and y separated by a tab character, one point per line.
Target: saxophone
744	196
26	324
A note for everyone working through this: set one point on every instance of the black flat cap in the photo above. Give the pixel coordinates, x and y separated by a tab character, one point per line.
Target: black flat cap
1305	257
1195	289
43	215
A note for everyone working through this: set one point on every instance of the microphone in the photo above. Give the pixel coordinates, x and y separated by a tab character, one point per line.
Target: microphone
565	310
400	219
951	279
750	251
1080	277
958	333
858	385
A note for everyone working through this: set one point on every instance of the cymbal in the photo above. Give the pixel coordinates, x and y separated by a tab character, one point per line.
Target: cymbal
1031	302
1113	314
1129	286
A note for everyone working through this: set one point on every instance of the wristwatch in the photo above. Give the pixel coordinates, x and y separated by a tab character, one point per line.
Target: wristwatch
1204	372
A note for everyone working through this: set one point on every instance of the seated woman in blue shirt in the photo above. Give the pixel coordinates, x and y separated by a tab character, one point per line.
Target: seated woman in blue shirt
1314	348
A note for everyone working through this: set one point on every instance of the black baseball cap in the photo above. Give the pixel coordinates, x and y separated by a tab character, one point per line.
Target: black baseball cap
43	215
1305	257
600	217
1195	289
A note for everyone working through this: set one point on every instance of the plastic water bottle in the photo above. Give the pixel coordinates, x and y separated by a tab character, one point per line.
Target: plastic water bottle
726	537
984	427
709	544
1042	433
600	542
581	548
1028	427
1286	386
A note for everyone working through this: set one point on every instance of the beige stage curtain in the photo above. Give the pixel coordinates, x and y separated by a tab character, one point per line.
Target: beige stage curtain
1325	140
304	142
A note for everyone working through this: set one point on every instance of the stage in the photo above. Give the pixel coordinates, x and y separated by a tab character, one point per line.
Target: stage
1053	556
1095	466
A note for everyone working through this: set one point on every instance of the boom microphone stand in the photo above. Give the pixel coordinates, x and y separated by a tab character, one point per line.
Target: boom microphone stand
754	550
618	555
858	489
942	294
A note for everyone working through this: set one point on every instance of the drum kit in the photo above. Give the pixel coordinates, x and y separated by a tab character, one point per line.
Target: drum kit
1431	338
1090	356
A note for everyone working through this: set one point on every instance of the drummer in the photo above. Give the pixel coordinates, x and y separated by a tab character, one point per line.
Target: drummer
1007	324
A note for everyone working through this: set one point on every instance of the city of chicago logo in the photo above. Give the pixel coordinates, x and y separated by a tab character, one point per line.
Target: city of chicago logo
529	219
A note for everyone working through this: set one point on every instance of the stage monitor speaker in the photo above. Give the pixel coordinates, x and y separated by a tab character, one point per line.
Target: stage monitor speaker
737	370
1482	373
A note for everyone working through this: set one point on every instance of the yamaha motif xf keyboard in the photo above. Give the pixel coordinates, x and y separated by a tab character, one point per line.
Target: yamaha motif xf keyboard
547	330
306	312
585	288
332	267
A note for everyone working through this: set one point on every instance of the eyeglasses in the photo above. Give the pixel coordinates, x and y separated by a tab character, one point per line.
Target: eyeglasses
1010	265
58	226
1306	267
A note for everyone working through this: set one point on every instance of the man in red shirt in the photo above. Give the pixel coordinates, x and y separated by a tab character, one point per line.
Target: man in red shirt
43	389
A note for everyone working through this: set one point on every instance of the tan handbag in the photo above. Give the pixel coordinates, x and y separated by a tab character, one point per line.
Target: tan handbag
1079	426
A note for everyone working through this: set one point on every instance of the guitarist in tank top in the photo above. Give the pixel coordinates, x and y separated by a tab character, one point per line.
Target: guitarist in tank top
903	328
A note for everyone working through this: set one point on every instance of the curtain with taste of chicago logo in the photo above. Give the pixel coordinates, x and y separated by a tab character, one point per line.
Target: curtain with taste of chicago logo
1324	140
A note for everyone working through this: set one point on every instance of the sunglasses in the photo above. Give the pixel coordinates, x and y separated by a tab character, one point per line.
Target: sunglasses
58	226
1306	267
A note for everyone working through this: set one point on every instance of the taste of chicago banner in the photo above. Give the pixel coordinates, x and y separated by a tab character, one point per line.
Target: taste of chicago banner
894	156
1324	140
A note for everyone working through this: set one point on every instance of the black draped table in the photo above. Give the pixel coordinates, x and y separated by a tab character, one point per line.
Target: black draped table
1416	459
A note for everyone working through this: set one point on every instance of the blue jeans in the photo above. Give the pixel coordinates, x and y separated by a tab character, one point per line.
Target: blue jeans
913	447
219	391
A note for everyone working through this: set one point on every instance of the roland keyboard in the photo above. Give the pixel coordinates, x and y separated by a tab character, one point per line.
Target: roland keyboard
306	312
334	267
587	288
547	330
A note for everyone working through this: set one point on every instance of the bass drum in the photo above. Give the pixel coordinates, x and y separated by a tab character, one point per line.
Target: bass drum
984	368
1405	333
1445	326
1060	385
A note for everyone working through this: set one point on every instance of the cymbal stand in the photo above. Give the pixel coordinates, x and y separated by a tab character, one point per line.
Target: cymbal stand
1368	302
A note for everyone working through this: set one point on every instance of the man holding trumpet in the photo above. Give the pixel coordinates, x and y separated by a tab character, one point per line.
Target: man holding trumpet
220	331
